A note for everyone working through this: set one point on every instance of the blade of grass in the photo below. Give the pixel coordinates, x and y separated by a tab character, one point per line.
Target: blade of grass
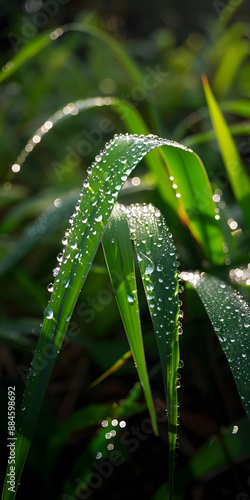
119	258
233	57
134	124
192	184
157	256
230	317
36	231
100	191
116	366
237	174
38	43
193	202
210	457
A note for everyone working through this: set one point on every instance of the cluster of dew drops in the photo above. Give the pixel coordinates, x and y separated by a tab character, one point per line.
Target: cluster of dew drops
145	216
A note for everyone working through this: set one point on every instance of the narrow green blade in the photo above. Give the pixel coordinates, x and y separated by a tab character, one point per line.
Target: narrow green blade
230	317
37	44
158	265
119	258
237	174
100	191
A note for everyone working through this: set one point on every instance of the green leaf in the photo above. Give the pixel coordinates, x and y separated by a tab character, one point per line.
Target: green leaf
100	191
38	43
157	256
192	185
119	258
237	174
230	317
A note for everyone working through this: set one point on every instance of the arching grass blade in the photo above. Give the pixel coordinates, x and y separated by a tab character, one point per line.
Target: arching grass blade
37	44
230	317
192	199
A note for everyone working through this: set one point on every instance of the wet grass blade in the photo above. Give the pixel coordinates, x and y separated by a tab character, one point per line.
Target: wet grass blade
116	366
96	201
157	258
119	258
236	172
192	186
133	122
230	317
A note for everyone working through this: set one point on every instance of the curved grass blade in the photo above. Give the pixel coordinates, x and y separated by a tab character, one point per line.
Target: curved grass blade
119	258
158	266
239	107
37	44
237	174
193	202
100	190
230	317
134	124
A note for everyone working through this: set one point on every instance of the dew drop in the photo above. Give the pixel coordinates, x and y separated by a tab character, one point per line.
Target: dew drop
98	219
130	298
50	287
64	240
48	313
60	257
159	267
